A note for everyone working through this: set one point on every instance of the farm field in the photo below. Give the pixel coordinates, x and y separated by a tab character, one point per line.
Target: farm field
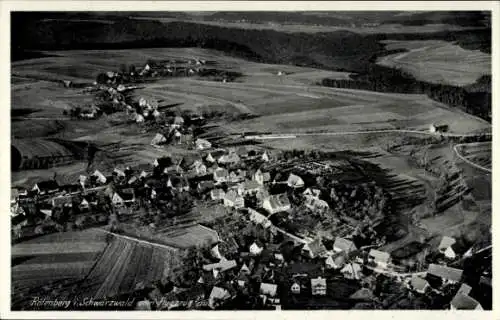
477	153
438	61
122	268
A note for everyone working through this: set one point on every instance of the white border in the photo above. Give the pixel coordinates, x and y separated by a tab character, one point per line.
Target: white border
7	6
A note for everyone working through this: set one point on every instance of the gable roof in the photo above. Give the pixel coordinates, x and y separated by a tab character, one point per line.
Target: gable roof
222	266
319	281
232	195
344	244
316	247
379	256
445	272
269	289
464	302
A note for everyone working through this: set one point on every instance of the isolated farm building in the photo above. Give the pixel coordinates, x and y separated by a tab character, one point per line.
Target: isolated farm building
294	181
445	273
352	271
202	144
434	128
123	196
380	258
218	295
276	203
261	177
418	284
231	158
233	199
62	201
315	248
336	261
343	245
258	218
46	187
220	175
217	194
249	187
158	140
464	302
446	247
318	286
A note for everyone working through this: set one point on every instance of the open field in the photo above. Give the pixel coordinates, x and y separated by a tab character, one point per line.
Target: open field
438	61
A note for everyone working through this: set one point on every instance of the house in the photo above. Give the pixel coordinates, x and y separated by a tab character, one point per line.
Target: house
228	159
447	274
464	289
217	296
220	175
84	204
380	258
249	187
318	286
311	193
268	289
464	302
214	155
233	199
352	271
46	187
265	157
255	249
139	118
236	176
276	203
158	140
178	122
445	247
258	218
202	144
100	178
217	194
295	288
315	248
245	269
418	284
123	196
316	204
204	186
336	261
435	128
261	177
294	181
200	168
343	245
221	266
62	201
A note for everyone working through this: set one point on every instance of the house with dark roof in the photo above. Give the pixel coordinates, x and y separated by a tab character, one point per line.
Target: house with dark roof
46	187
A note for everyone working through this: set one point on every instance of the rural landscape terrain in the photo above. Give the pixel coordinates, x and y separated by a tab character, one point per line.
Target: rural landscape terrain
251	160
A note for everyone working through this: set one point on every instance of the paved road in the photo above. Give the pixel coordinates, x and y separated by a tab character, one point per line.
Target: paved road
475	165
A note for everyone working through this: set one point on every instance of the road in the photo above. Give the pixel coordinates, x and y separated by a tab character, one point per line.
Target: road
475	165
139	240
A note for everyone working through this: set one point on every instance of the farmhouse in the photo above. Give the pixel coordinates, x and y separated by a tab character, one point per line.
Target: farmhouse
276	203
220	175
233	199
46	187
217	194
261	177
343	245
464	302
380	258
318	286
434	128
446	247
295	181
445	273
202	144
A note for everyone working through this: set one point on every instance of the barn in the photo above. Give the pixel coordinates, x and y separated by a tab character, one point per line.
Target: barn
38	154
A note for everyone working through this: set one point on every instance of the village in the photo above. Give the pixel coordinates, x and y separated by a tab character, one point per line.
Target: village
289	239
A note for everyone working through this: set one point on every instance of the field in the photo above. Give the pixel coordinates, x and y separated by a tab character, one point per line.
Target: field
124	266
477	153
438	61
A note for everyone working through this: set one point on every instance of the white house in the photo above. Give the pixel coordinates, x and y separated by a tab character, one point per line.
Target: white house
100	177
352	271
276	203
381	258
318	286
294	181
255	249
217	194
